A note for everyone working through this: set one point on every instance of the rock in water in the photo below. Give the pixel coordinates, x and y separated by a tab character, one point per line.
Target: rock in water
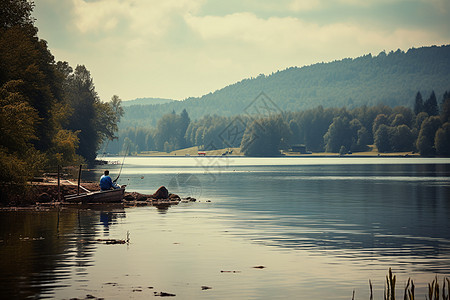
161	193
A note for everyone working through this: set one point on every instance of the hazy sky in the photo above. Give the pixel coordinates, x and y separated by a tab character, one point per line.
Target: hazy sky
181	48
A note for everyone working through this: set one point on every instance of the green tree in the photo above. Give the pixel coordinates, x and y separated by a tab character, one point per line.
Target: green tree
116	106
445	108
314	124
407	114
83	101
65	145
168	133
422	116
363	139
18	159
15	13
402	138
108	115
382	139
17	118
359	135
94	120
442	140
381	119
339	134
425	141
265	137
399	119
23	56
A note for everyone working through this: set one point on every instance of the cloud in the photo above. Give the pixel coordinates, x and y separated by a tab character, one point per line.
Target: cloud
289	33
97	16
305	5
442	6
141	17
177	48
314	5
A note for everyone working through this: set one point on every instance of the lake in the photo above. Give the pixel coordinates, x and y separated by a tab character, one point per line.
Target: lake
316	228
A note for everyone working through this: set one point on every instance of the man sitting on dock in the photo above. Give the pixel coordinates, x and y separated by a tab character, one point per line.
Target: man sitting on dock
106	182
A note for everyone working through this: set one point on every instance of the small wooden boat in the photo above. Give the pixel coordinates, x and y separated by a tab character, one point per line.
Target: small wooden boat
110	196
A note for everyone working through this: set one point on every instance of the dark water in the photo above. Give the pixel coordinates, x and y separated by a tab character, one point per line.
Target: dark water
321	227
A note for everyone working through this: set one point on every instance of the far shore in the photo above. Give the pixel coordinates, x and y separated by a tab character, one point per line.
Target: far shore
236	152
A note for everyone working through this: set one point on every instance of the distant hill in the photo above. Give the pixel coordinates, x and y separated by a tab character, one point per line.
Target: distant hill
392	79
146	101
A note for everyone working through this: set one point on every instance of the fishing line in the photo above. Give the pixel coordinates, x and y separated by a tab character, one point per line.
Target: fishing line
126	152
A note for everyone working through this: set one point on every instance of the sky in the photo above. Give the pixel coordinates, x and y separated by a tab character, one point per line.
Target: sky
177	49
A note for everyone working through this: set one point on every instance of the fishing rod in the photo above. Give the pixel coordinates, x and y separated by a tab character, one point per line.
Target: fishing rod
126	152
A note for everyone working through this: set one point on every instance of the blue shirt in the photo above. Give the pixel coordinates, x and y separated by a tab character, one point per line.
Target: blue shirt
106	183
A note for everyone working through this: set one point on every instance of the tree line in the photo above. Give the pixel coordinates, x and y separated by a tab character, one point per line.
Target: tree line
50	113
336	130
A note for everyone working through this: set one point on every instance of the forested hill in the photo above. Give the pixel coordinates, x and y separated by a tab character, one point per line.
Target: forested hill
392	79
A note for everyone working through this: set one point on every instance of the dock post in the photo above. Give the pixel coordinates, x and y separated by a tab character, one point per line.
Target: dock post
59	185
79	180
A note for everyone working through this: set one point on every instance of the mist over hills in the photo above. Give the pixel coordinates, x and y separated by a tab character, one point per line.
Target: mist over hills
146	101
392	79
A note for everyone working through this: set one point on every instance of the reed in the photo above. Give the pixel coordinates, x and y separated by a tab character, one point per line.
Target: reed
434	290
371	290
390	286
409	290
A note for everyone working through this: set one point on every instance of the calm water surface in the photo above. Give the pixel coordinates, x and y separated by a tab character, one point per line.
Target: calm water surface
321	227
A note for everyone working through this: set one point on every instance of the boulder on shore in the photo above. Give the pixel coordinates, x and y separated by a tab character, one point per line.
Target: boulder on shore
161	194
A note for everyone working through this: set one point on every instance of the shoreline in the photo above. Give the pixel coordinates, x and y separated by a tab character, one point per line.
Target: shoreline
44	195
394	155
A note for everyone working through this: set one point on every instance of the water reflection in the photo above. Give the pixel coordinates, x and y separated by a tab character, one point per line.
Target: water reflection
110	217
41	251
312	225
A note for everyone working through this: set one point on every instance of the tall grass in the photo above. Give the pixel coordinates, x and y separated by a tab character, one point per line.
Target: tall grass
434	290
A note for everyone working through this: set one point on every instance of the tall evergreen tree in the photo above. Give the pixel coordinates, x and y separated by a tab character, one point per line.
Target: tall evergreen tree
184	123
418	105
445	96
431	106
